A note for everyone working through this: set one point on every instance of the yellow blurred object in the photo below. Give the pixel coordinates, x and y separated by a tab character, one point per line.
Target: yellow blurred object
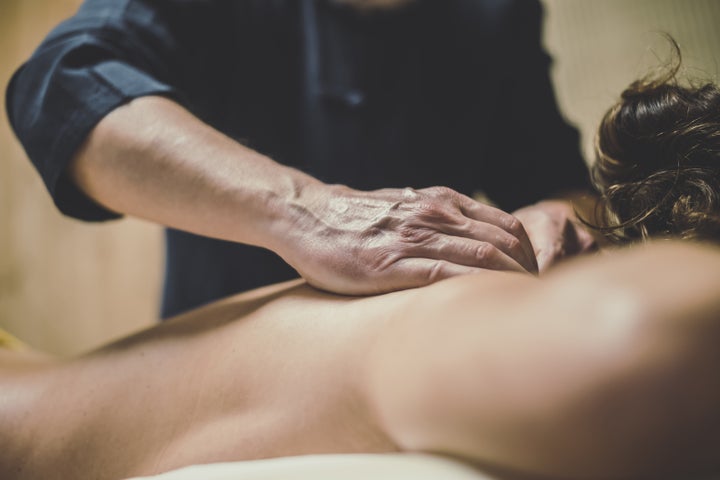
9	342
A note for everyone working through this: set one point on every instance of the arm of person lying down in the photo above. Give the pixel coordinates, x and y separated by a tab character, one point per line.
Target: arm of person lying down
604	369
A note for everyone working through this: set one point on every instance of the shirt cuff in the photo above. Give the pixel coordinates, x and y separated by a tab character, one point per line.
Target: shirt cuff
115	84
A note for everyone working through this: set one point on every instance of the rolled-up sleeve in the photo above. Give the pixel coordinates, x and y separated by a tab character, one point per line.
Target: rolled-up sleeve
108	53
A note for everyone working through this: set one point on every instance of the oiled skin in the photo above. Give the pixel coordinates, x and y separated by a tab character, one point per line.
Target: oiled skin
504	370
257	375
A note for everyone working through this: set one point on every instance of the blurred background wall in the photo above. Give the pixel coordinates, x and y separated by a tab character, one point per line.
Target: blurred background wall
66	286
600	46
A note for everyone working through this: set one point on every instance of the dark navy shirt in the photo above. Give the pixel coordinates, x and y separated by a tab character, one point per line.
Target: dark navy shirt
443	92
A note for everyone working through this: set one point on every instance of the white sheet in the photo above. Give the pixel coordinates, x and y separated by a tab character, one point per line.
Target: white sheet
331	467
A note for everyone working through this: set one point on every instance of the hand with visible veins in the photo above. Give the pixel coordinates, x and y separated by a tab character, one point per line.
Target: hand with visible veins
354	242
555	231
153	159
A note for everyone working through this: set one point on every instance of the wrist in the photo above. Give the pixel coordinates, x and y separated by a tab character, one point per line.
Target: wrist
292	210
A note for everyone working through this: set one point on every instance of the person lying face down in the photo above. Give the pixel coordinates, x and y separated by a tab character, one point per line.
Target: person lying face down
605	368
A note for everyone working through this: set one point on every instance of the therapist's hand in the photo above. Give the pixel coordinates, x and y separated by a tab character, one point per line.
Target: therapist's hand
554	231
354	242
153	159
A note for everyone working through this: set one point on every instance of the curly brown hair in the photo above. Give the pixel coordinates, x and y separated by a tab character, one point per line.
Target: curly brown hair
658	161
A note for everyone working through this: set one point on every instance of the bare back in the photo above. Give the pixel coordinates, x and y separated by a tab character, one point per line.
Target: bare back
268	373
549	377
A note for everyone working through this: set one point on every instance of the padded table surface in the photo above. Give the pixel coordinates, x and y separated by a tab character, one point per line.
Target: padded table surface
331	467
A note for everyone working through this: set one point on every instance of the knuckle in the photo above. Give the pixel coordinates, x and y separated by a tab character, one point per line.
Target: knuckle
467	227
409	193
483	253
413	235
513	244
441	192
426	212
435	272
513	225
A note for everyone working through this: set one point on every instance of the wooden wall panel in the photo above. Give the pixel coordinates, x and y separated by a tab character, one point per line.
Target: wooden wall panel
66	286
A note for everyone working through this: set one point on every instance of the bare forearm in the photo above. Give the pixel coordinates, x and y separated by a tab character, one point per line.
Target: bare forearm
154	160
605	370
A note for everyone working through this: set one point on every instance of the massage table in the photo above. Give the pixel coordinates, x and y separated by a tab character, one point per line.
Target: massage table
396	466
392	466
